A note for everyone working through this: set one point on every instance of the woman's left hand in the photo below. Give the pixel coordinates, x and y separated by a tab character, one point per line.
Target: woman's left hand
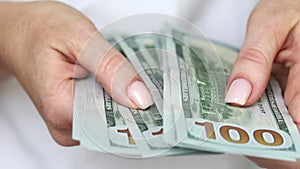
273	36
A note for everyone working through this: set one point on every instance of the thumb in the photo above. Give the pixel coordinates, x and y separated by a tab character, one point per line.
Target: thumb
266	34
115	73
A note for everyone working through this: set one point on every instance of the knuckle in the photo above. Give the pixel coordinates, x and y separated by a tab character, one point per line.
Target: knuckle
110	64
62	138
59	122
256	56
53	123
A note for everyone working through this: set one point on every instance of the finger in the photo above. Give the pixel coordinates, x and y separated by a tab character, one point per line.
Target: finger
281	72
266	33
292	93
3	71
274	164
294	108
115	73
62	137
80	72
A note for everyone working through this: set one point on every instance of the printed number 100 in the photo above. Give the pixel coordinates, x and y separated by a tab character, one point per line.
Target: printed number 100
258	135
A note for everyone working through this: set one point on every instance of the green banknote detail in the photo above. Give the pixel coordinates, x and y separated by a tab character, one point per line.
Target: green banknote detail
187	76
98	122
220	127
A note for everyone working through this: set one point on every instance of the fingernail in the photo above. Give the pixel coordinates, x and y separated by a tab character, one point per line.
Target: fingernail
140	95
239	92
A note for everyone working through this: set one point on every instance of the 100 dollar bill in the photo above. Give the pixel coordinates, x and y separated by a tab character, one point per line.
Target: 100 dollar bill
187	76
101	124
264	130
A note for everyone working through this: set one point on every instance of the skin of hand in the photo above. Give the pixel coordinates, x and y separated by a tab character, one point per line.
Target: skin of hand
273	37
3	72
42	43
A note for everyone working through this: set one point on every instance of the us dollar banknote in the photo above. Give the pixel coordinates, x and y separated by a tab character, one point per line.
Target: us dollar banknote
187	76
101	124
264	130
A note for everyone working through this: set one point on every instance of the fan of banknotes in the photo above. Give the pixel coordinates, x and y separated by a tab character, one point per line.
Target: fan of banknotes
186	75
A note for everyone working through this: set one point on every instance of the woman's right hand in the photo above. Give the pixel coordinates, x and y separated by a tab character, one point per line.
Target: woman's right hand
42	42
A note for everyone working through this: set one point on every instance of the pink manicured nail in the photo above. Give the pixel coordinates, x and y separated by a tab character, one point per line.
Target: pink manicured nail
238	92
140	95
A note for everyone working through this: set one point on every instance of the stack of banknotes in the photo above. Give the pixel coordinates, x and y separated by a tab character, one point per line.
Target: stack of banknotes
186	75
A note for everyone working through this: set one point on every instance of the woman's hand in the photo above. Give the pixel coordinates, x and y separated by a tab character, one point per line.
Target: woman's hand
41	42
273	36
